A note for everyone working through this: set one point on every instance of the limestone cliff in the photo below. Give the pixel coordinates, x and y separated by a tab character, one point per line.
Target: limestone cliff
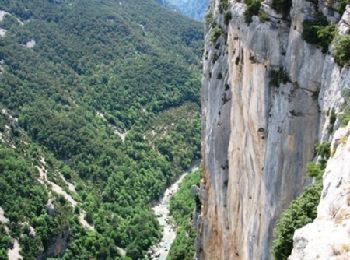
328	237
259	135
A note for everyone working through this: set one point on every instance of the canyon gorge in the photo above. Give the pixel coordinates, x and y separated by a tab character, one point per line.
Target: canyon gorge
118	142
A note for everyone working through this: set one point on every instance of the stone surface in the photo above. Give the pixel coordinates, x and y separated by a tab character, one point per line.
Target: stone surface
328	236
257	138
30	44
2	32
14	252
60	191
3	14
344	23
3	219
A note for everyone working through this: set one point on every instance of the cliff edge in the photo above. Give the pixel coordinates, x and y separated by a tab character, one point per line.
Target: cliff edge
268	96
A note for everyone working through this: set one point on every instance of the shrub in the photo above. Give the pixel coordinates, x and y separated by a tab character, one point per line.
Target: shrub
228	17
319	32
345	93
263	16
215	33
303	209
326	35
341	49
324	152
9	22
282	6
223	4
300	212
209	20
333	118
279	76
314	170
253	8
344	117
342	5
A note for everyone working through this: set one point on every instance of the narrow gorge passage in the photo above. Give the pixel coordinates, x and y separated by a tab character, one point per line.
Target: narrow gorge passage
161	250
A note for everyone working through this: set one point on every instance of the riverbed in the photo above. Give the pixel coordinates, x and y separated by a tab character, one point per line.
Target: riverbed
162	210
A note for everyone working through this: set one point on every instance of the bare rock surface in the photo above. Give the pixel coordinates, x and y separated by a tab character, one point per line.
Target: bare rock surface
3	219
328	236
60	191
3	14
258	137
14	252
30	44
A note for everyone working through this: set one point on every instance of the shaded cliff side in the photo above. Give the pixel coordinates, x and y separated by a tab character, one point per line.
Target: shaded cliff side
266	101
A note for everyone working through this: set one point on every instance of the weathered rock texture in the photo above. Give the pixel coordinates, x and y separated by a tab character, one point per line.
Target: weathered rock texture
257	138
328	237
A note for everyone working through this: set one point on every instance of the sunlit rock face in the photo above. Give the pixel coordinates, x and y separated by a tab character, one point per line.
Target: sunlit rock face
328	237
192	8
258	137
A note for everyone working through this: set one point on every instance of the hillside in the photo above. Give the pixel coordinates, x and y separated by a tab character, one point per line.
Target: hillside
100	112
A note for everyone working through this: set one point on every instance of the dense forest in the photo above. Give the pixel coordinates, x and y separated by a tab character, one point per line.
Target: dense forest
100	112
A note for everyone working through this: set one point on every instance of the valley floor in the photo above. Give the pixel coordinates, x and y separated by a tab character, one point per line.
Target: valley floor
162	211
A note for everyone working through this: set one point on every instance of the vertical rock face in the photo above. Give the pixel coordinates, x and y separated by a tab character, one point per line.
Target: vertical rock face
258	137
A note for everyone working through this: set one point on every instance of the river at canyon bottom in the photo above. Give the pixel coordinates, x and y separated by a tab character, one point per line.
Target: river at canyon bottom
160	251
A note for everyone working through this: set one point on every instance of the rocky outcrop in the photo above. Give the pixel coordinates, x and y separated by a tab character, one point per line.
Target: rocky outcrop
328	237
57	245
258	135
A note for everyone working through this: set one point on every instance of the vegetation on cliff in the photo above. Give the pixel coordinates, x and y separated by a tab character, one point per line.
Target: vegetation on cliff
282	6
319	32
253	8
300	212
223	5
341	49
278	77
342	5
303	209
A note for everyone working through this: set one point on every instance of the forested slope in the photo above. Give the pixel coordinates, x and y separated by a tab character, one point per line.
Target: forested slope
99	112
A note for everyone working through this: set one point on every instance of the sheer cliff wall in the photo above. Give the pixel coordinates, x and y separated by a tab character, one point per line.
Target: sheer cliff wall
258	135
